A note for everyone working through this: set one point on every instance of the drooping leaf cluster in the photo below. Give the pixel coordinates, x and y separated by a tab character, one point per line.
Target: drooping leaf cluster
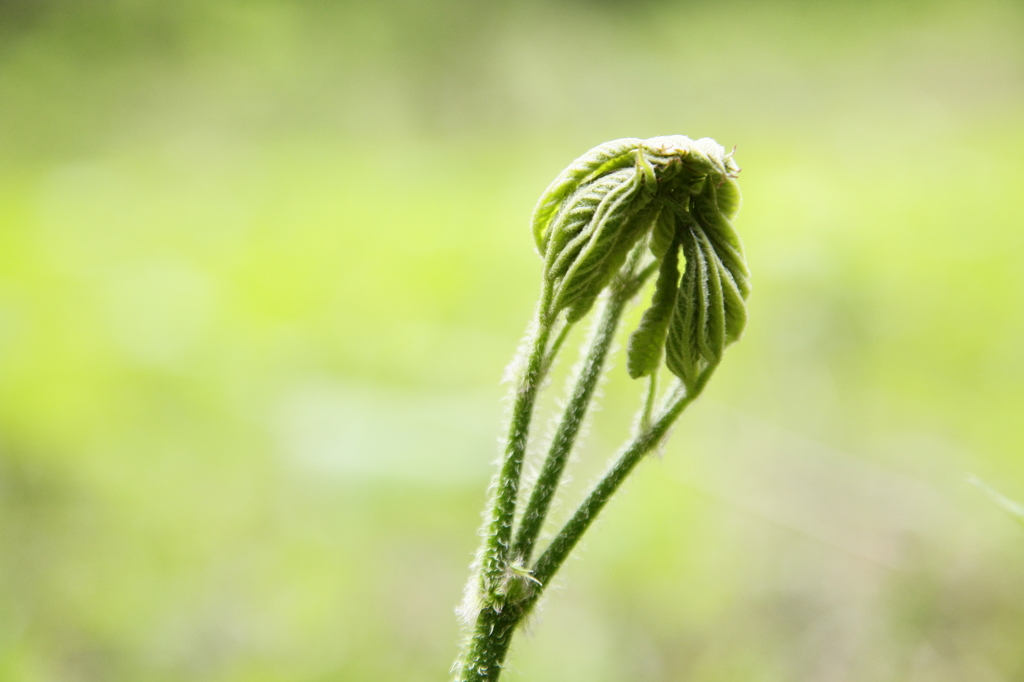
678	194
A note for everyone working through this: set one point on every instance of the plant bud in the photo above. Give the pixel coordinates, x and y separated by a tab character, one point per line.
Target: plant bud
679	195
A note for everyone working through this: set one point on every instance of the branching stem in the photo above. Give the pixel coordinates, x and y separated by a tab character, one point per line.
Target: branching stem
556	346
646	441
626	285
594	225
502	516
568	428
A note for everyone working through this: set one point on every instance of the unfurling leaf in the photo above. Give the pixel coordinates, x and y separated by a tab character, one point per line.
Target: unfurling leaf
594	252
711	307
664	233
598	161
618	214
647	342
682	346
728	195
679	195
724	244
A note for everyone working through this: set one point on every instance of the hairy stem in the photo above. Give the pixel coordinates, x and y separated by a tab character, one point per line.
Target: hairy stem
553	557
499	615
487	649
496	621
556	346
593	227
499	528
648	408
568	428
626	285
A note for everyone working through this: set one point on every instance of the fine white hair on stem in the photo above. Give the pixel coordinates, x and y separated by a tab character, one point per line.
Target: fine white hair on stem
561	402
624	211
517	367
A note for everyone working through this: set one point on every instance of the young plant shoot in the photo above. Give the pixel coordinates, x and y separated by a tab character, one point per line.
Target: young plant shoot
624	212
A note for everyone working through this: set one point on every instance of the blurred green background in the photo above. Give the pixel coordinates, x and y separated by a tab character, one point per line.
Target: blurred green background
262	264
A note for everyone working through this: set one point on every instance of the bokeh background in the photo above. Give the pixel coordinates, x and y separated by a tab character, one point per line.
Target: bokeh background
262	264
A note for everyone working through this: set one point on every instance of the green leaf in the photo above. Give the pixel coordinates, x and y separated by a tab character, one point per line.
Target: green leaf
602	221
719	230
728	196
735	306
682	348
707	157
647	342
599	207
574	225
633	230
664	232
598	161
710	311
588	263
713	332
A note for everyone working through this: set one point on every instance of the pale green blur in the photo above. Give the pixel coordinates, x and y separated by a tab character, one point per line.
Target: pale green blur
263	263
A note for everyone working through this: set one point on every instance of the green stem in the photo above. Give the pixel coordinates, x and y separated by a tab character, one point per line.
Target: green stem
568	428
499	614
484	654
648	408
487	649
549	359
502	516
553	557
626	285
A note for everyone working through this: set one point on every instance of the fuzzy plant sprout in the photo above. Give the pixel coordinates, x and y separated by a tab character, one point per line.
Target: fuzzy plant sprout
624	212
